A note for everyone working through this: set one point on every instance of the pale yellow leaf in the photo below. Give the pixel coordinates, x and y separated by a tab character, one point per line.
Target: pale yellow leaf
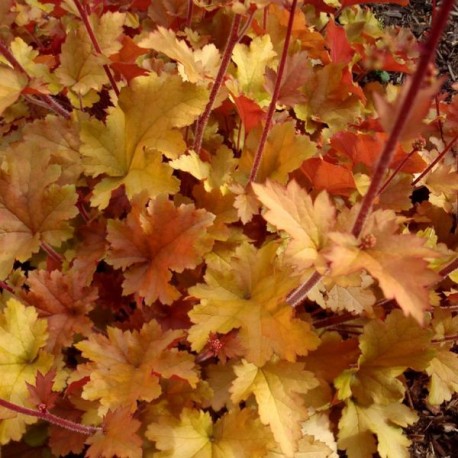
194	65
443	370
252	62
277	387
306	222
250	296
22	338
11	85
129	147
358	423
284	152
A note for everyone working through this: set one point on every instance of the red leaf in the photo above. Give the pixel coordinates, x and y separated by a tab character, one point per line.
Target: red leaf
41	394
338	44
335	179
321	7
366	149
249	111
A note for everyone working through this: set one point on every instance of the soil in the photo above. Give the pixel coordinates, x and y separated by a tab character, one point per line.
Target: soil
436	432
417	17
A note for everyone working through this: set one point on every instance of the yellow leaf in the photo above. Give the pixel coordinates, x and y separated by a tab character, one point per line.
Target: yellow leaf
250	295
238	434
193	66
397	261
22	338
33	207
129	147
277	387
306	222
192	164
358	424
108	29
80	68
387	349
215	174
443	184
60	137
42	79
284	152
443	370
252	62
126	367
318	427
11	85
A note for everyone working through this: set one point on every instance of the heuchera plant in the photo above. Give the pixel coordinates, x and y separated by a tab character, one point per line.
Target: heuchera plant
220	235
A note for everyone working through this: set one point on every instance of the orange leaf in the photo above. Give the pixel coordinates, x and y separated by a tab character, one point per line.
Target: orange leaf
126	367
249	111
324	175
64	300
338	44
397	261
119	438
155	240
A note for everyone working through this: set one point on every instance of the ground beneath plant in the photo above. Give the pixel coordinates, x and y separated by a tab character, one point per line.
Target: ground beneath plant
417	17
436	433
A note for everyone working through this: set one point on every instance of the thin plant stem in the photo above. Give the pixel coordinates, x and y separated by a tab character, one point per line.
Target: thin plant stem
43	100
451	338
299	295
429	48
449	268
439	121
51	418
243	30
6	287
53	105
276	93
233	39
438	158
95	43
396	171
8	55
189	13
52	253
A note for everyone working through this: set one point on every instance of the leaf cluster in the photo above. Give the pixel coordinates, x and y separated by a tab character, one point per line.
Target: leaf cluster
182	185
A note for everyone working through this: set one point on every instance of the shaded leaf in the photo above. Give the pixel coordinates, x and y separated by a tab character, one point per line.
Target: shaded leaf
126	367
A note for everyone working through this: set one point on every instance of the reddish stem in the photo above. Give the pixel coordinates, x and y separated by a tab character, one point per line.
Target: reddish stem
51	418
11	59
232	40
42	99
449	268
396	171
385	159
52	253
451	338
438	158
299	295
6	287
95	43
276	93
439	122
189	13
